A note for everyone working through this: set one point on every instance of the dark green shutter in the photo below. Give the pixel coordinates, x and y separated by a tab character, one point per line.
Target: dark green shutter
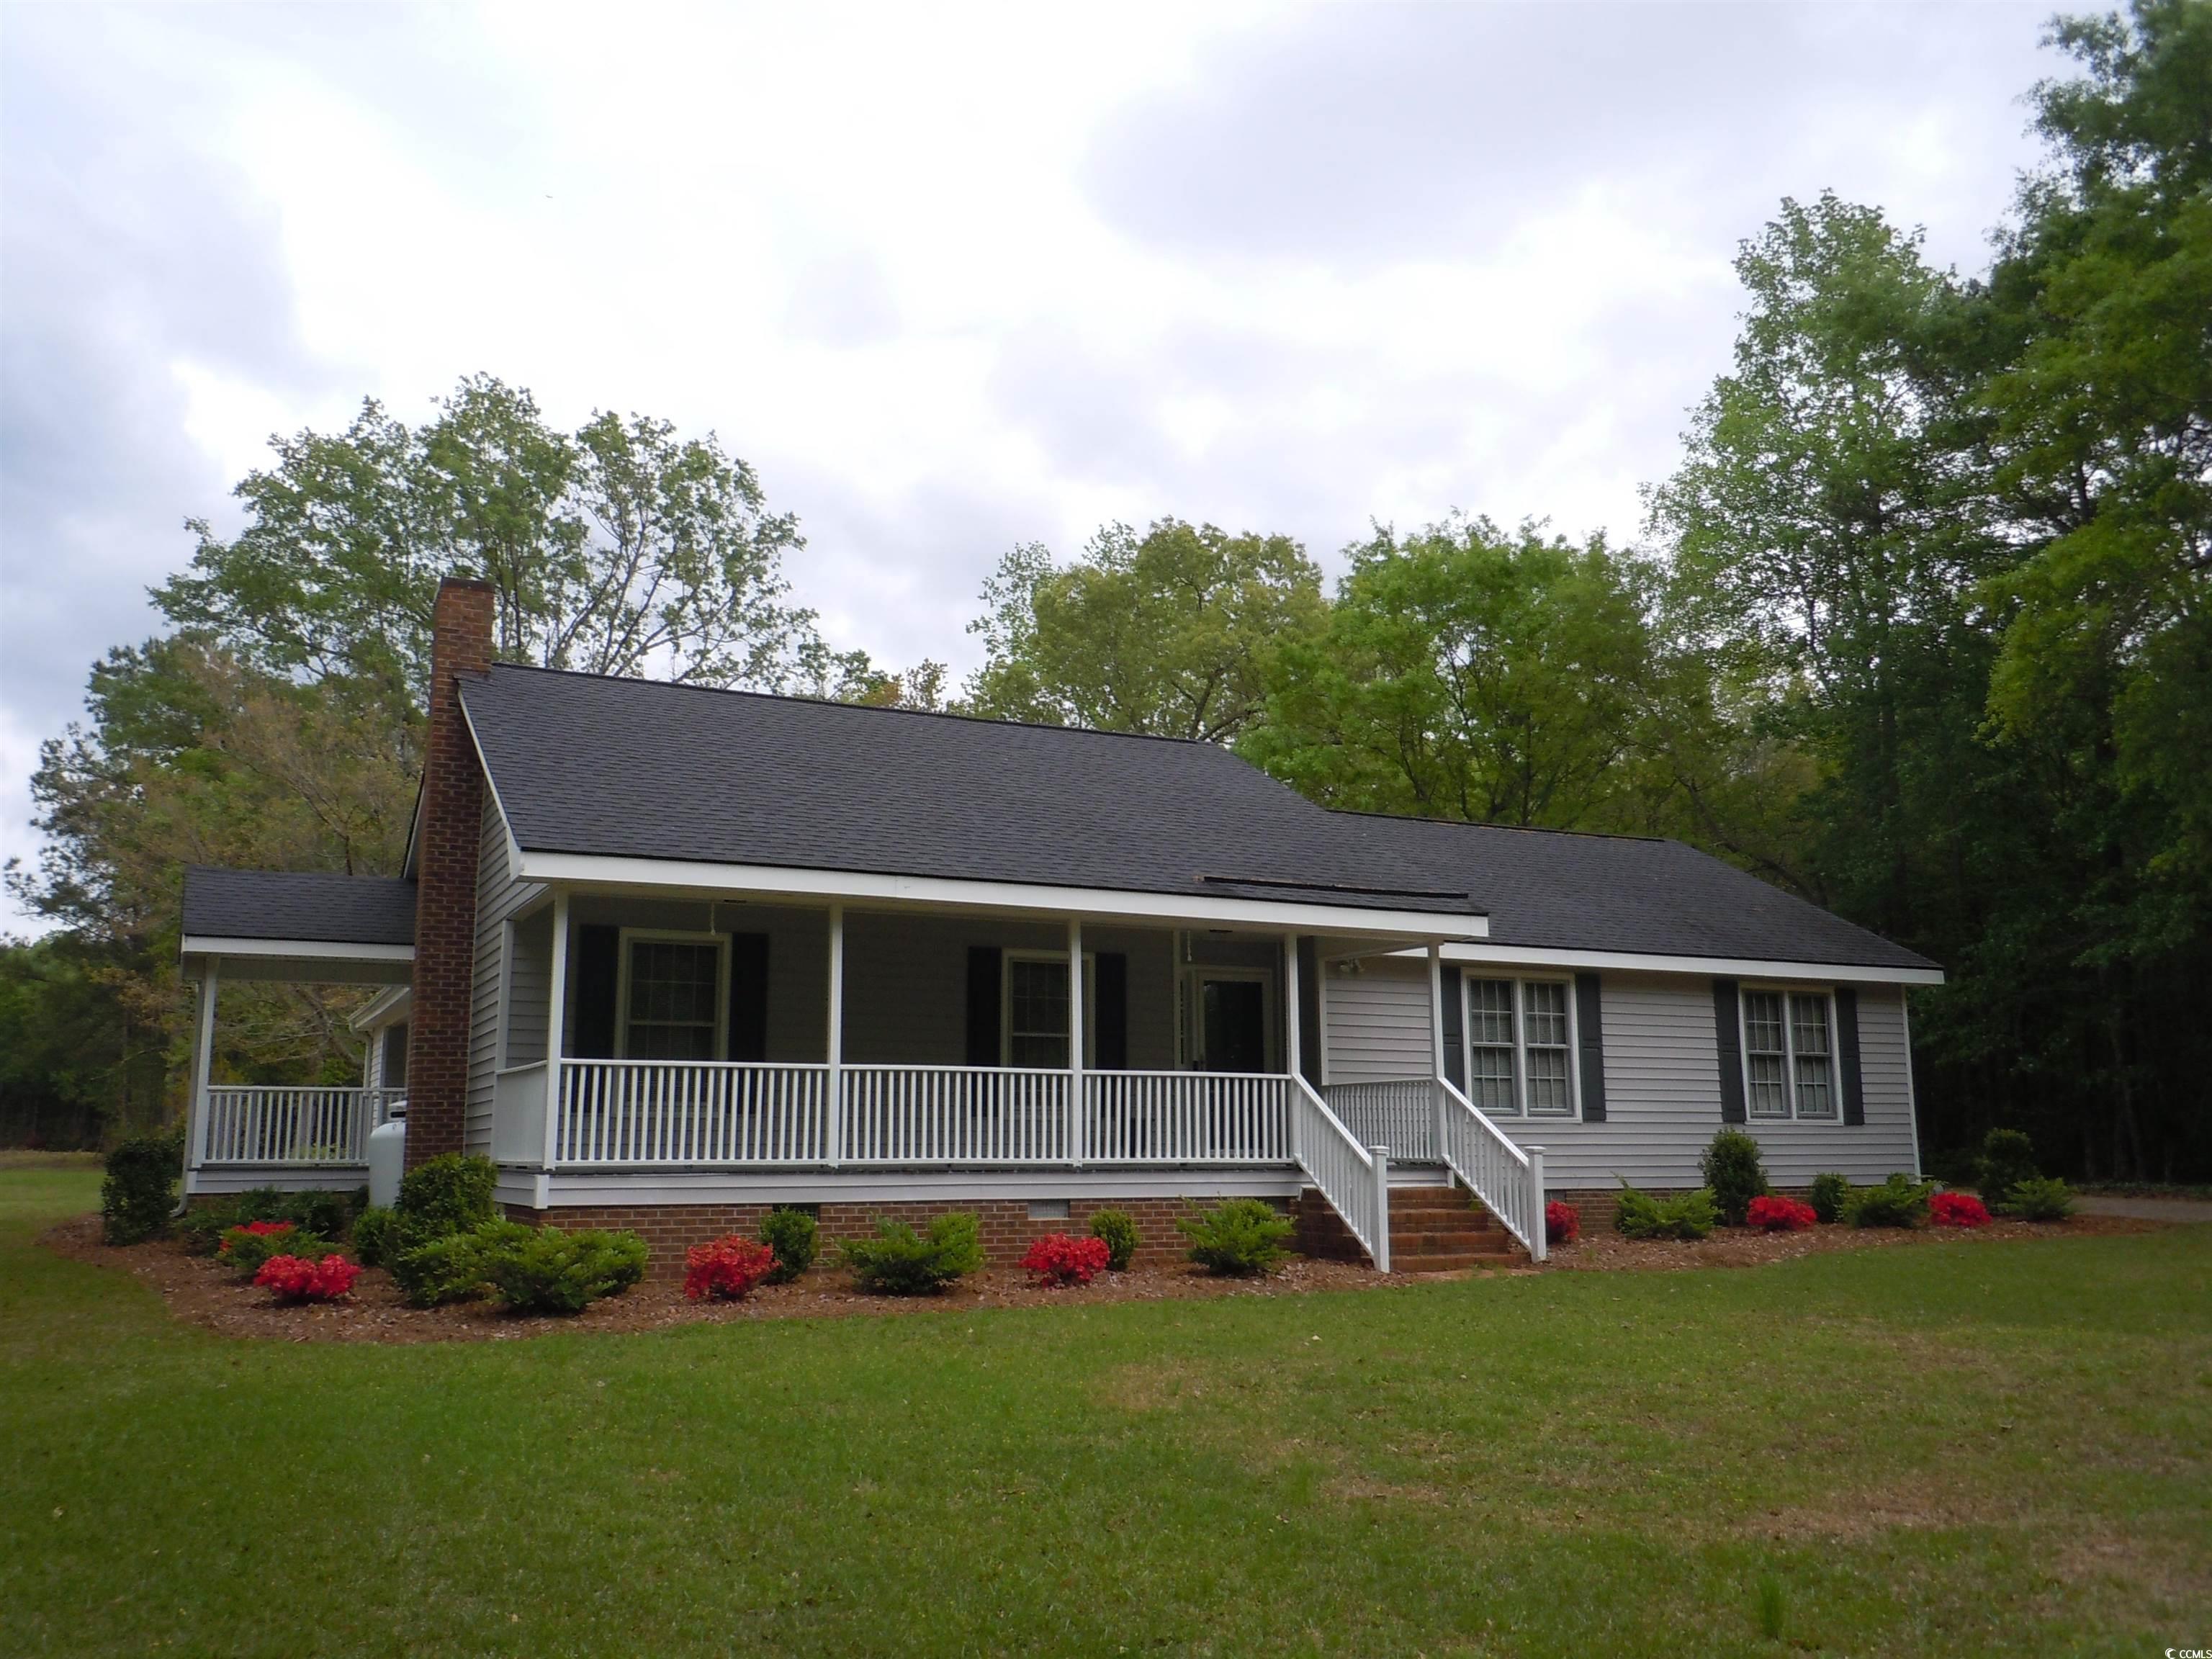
1728	1037
748	996
1454	1013
1309	1032
1110	1001
1589	1040
598	971
983	1005
1847	1053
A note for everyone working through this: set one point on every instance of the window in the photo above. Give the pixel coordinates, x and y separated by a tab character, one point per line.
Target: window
671	998
1788	1055
1520	1047
1036	1012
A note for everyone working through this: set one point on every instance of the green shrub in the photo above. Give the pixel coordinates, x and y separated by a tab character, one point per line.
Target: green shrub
2040	1199
1242	1236
899	1261
551	1269
1685	1216
378	1236
244	1252
2008	1158
448	1195
1900	1201
1119	1230
432	1271
200	1229
1733	1173
141	1186
327	1215
1830	1192
791	1234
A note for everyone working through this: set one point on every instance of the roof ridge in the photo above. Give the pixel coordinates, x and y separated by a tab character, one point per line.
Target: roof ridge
860	707
1519	828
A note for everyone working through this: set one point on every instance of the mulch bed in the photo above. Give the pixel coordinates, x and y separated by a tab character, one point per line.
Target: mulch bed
197	1291
1600	1248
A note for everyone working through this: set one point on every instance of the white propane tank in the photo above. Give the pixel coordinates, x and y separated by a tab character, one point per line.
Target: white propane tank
387	1156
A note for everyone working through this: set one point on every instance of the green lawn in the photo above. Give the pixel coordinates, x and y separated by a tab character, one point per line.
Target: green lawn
1970	1447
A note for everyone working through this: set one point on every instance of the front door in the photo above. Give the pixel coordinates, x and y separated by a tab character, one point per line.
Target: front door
1233	1016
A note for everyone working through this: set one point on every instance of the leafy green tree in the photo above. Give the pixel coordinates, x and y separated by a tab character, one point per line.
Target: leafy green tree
1467	673
616	550
1166	633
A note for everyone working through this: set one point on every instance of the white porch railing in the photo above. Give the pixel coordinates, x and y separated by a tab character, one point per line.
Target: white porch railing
1355	1180
1187	1117
687	1113
1508	1180
954	1115
284	1125
1400	1113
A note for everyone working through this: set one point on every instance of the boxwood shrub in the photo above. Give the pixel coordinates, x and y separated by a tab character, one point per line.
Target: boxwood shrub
899	1261
1900	1201
2007	1158
1830	1192
2040	1199
793	1236
140	1187
1119	1228
1734	1175
1242	1236
552	1270
1685	1216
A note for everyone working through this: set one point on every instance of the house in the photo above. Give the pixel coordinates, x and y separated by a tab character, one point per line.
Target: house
670	955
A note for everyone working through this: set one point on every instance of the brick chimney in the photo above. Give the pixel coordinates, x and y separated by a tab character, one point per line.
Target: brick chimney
445	853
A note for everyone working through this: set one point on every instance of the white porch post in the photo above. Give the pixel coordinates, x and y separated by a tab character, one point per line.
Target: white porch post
1075	1113
1436	1039
203	1062
836	1043
557	1015
1291	1018
1539	1245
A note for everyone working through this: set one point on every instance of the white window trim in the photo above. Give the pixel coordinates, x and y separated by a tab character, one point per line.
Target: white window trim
632	935
1520	1113
1192	990
1006	960
1827	995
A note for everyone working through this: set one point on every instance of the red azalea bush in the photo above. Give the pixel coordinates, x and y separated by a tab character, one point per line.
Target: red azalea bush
1957	1210
1056	1259
727	1267
258	1229
294	1278
1779	1215
1563	1222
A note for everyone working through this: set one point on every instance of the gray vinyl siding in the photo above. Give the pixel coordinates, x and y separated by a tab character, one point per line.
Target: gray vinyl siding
530	988
498	898
1662	1081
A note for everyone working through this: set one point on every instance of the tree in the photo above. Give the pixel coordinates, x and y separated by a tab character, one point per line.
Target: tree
613	551
1466	673
1166	633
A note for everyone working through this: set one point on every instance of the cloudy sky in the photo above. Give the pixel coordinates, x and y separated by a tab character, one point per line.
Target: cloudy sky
950	279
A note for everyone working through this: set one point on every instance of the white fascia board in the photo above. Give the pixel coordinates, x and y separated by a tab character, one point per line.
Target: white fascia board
387	1007
305	950
1825	973
577	869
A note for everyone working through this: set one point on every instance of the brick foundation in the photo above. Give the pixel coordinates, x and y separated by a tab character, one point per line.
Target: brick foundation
669	1230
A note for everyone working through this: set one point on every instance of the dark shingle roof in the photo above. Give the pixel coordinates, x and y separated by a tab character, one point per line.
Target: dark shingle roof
275	905
640	768
1551	889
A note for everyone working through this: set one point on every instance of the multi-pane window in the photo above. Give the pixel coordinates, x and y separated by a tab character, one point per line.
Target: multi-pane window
1036	1012
1788	1055
1491	1069
674	1001
1544	1044
1517	1048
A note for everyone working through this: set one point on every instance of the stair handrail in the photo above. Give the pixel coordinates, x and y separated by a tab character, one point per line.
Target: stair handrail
1508	1180
1354	1179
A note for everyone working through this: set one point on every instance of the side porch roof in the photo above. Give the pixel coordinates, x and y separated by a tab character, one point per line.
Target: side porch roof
276	924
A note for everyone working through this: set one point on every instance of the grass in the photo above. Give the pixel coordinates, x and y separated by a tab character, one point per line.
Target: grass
1962	1447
